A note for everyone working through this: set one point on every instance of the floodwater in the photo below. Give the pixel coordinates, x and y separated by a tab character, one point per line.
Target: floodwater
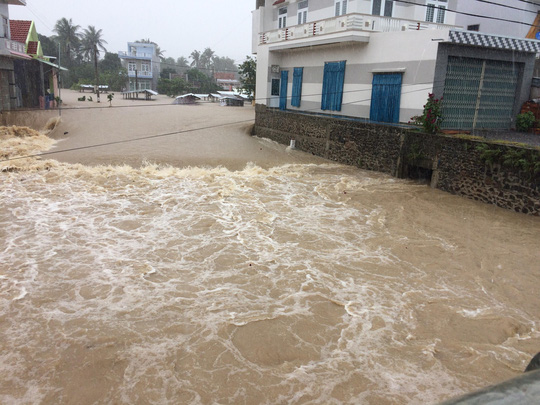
292	281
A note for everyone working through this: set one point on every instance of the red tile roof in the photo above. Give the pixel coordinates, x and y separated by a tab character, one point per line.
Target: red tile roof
32	48
19	30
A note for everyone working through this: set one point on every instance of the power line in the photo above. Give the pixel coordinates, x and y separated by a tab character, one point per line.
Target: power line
469	14
507	6
124	141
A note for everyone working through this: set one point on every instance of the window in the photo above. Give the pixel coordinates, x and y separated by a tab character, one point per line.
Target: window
145	69
436	11
475	27
132	67
5	26
302	12
382	7
275	87
282	17
297	86
332	91
341	7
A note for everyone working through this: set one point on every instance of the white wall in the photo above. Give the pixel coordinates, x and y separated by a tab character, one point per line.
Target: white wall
415	52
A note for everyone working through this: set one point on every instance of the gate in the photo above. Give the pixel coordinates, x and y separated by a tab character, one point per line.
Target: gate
479	93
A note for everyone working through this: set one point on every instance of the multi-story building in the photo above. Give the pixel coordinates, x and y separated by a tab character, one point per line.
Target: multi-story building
142	64
379	59
9	51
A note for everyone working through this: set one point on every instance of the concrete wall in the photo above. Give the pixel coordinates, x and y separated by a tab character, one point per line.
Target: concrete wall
452	164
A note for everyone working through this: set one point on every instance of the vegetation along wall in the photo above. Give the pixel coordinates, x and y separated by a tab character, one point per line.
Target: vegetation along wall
506	175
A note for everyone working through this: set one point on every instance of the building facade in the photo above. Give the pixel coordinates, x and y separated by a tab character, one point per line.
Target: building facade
143	66
379	60
10	50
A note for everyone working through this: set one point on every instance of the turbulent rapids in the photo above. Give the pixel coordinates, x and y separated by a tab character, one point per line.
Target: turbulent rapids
300	283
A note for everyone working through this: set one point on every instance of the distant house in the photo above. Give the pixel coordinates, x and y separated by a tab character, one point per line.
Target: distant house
378	60
189	98
227	80
10	50
231	101
142	64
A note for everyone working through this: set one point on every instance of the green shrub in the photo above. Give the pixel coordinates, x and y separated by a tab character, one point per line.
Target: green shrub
525	121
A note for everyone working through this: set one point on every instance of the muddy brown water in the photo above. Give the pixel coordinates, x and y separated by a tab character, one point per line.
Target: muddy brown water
285	280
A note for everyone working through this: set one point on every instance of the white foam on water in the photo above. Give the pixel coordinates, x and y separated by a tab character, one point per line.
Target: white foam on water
161	280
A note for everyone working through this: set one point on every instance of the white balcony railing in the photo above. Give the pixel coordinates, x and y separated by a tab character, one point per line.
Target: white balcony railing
349	22
134	54
7	45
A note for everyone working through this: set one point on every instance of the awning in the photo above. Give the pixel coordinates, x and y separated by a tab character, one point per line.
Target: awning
20	55
52	64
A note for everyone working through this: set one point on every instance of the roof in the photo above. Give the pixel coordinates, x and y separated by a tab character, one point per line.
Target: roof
19	30
278	2
32	48
188	95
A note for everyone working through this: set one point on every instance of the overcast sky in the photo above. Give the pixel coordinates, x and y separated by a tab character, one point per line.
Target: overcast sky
177	26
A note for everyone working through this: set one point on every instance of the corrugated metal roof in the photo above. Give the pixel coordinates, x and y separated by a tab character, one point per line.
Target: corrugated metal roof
19	30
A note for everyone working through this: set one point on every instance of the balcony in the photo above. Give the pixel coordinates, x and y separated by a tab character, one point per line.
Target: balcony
354	27
134	55
13	49
141	74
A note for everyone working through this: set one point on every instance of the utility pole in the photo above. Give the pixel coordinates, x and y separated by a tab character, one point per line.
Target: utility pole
97	74
58	82
136	83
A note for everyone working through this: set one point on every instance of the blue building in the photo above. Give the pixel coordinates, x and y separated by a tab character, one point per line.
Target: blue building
142	64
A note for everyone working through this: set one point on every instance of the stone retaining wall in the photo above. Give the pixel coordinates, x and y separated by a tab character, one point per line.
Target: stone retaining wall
464	166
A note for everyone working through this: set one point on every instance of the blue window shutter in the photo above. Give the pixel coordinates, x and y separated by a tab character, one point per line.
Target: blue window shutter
332	92
386	97
297	86
283	90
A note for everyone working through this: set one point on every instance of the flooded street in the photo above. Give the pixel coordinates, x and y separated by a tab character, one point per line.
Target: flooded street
213	267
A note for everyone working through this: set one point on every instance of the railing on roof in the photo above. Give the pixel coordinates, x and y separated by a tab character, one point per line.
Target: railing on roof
348	22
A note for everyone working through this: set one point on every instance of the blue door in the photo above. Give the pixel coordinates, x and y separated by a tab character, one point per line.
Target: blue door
386	97
283	90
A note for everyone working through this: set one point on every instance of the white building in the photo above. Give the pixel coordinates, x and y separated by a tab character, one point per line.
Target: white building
379	59
9	51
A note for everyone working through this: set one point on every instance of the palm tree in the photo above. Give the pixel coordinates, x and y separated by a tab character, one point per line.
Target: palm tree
181	61
196	57
92	42
68	37
206	58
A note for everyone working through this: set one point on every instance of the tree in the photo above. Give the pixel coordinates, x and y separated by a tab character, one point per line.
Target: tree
248	76
206	59
49	46
196	59
224	64
182	62
67	34
110	63
200	82
92	43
